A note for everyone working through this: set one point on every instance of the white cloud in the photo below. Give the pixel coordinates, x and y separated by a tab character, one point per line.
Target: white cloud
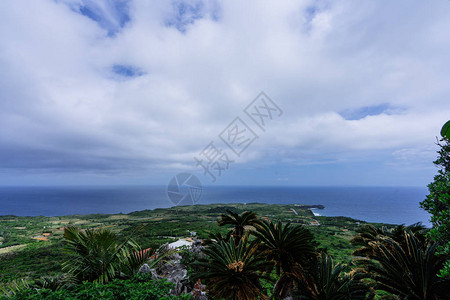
60	98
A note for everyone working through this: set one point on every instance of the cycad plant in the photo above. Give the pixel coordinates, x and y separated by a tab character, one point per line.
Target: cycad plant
240	222
232	271
217	237
328	281
11	289
98	255
291	250
369	233
407	269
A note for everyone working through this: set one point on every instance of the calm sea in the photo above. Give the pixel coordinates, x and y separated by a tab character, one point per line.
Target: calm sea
397	205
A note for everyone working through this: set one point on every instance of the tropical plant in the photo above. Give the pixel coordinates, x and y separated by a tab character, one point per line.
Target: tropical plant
407	271
13	288
328	280
216	237
437	202
369	233
240	222
232	271
55	283
98	255
290	249
132	260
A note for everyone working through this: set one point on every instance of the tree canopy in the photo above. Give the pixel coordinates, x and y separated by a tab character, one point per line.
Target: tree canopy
437	202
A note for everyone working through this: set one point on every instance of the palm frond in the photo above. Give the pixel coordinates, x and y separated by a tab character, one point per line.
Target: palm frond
232	271
405	266
240	222
98	255
14	287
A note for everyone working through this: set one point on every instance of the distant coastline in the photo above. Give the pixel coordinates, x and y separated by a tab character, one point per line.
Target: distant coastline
313	210
372	204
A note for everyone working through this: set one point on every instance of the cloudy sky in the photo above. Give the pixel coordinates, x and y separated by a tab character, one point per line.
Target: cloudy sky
129	92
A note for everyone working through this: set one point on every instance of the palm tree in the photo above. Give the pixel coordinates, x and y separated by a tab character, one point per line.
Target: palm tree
241	223
329	281
232	271
290	249
97	254
406	269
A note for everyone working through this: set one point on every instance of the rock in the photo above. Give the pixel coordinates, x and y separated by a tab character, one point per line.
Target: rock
175	272
197	247
144	269
178	273
155	275
181	287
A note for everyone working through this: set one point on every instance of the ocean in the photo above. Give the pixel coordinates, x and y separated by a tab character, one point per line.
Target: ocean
395	205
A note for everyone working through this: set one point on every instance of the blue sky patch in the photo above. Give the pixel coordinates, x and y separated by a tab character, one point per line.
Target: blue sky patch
109	15
311	11
127	71
374	110
185	13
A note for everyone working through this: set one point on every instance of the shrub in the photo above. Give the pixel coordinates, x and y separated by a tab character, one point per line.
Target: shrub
139	287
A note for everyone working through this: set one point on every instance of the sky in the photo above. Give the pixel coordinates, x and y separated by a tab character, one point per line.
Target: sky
134	92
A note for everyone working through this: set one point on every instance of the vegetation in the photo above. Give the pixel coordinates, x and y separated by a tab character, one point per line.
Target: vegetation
32	247
248	257
97	255
233	271
328	280
402	262
139	287
240	223
289	249
282	254
391	263
437	202
369	234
